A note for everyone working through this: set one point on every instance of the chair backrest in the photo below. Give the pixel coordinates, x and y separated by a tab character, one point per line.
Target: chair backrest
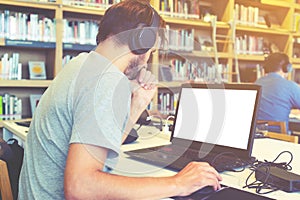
5	187
280	124
284	137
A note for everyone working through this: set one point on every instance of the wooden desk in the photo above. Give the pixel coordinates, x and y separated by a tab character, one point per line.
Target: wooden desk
12	130
263	148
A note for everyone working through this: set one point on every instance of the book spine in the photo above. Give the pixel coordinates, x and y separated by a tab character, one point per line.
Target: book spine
1	107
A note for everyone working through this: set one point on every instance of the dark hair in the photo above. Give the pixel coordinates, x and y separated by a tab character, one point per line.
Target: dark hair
276	61
124	16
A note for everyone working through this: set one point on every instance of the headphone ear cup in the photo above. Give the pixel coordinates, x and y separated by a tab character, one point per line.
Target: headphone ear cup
133	44
284	68
287	68
142	40
283	65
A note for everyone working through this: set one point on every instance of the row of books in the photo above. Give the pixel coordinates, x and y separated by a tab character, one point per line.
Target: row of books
10	67
167	102
10	107
180	39
183	70
204	41
42	0
80	32
104	4
248	44
66	59
246	15
296	22
180	8
26	26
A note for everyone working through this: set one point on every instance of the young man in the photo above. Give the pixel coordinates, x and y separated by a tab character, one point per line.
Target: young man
279	95
86	113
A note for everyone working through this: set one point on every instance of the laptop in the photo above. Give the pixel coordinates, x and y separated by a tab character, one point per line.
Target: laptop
214	123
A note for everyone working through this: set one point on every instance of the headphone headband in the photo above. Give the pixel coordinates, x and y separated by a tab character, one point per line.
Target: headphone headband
143	39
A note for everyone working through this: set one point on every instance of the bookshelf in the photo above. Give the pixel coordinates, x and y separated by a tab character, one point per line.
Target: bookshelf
48	49
282	34
39	46
269	25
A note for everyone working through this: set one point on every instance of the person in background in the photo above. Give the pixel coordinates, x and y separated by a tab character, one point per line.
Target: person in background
85	114
279	95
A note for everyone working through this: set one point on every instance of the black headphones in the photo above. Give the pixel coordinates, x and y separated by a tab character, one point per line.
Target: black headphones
144	38
133	135
286	66
144	120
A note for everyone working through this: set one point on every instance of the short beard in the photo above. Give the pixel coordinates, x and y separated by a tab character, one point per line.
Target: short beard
134	67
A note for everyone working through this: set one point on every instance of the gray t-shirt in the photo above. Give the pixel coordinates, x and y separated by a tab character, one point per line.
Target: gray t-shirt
88	102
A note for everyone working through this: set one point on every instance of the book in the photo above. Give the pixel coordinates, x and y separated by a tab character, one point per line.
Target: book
11	107
1	109
37	70
165	73
296	25
204	41
34	101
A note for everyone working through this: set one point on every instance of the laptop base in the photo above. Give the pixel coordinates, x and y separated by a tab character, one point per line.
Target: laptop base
164	157
224	193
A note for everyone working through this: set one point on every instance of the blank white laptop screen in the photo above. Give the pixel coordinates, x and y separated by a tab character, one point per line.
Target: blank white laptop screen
215	116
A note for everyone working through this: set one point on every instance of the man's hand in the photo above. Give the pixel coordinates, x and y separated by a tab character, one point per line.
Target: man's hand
146	79
195	176
144	88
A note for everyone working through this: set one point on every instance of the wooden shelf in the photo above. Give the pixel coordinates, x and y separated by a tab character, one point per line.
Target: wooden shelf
296	61
248	57
296	34
25	83
31	4
210	54
296	6
277	3
27	44
170	84
83	10
201	54
259	30
193	22
268	4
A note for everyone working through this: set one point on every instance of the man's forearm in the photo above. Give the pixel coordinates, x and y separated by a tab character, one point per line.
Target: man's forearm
141	188
102	185
134	116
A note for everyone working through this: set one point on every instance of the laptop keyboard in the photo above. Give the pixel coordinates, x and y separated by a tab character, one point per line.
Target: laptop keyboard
178	159
173	162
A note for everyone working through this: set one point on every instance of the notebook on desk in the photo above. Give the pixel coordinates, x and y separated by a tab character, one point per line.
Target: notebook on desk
213	123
